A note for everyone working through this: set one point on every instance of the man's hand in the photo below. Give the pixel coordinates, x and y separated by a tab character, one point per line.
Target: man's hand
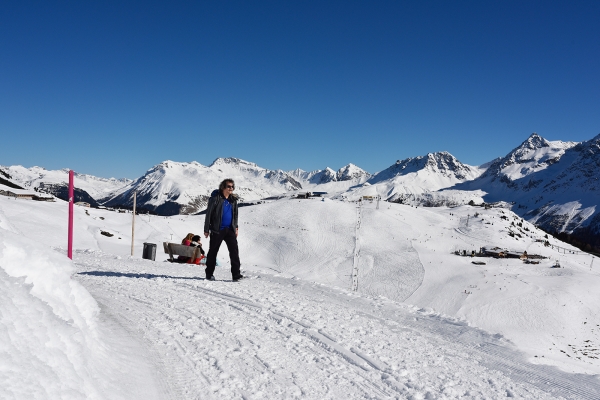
205	234
236	232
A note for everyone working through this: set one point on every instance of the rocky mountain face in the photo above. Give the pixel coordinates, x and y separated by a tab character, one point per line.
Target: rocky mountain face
533	155
552	184
580	167
569	192
61	191
442	164
5	179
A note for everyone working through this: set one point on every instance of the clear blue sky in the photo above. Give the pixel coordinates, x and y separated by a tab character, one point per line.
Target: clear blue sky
113	88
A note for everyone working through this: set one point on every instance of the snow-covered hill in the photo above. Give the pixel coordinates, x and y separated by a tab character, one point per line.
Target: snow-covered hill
341	302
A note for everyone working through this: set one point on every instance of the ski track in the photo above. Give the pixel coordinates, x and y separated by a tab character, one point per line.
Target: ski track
225	340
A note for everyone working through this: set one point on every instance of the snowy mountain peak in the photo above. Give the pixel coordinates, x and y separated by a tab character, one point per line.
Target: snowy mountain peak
164	167
535	141
298	173
592	145
416	175
350	172
183	188
524	152
534	154
442	163
324	176
232	161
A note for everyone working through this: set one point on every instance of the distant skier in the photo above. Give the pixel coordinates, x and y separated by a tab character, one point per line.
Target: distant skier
221	223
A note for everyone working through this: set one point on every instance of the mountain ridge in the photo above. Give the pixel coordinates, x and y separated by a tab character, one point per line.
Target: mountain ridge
551	183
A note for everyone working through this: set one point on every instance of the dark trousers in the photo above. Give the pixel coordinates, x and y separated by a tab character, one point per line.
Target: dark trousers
216	238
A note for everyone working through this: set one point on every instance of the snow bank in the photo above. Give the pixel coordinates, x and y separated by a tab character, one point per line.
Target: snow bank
48	322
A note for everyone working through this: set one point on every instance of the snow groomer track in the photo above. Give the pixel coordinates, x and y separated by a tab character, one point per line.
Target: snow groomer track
276	337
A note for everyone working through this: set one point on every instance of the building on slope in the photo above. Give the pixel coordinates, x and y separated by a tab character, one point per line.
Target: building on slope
24	194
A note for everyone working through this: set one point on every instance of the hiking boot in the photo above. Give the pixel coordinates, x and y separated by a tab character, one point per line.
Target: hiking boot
210	278
237	278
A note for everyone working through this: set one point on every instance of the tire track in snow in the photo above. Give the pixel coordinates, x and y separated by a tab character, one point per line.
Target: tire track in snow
122	318
352	356
511	362
181	350
167	333
478	239
326	343
490	354
255	336
360	360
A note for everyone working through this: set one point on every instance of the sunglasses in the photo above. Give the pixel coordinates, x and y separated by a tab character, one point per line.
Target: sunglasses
230	187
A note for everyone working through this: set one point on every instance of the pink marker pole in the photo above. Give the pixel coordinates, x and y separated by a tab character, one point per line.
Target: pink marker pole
70	245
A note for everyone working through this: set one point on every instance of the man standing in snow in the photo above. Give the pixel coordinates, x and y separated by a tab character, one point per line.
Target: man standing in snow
221	223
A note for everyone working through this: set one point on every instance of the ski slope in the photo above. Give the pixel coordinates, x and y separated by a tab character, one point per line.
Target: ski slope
316	240
343	300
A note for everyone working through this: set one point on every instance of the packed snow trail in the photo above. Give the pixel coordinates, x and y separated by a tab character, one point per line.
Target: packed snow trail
276	337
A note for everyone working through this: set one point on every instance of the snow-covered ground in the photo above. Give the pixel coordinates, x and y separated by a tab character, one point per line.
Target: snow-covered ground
343	301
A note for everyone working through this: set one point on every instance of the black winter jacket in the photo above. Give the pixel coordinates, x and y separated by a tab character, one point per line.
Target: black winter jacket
214	211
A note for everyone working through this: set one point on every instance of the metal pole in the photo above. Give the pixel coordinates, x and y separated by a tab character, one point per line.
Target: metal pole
133	222
70	242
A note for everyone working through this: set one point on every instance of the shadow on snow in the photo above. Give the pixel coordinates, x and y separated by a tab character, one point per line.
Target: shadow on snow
139	276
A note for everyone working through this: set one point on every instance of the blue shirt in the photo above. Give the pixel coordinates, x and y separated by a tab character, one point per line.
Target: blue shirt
227	217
